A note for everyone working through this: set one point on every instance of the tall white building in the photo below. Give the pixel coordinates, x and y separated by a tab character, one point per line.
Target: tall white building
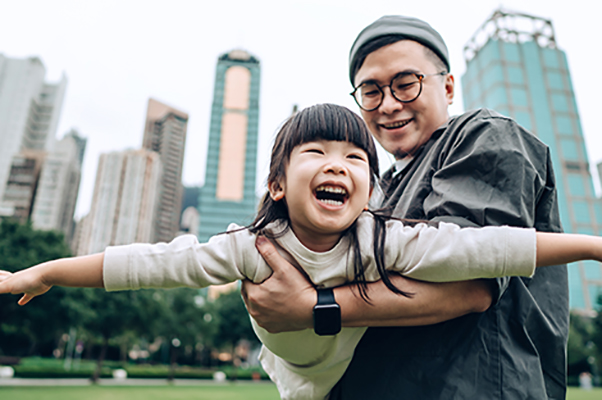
165	133
124	202
29	110
58	185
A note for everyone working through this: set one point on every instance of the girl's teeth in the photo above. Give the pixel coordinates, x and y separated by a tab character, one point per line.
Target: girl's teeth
332	202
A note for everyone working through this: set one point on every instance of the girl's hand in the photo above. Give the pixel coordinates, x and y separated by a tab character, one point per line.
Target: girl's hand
29	282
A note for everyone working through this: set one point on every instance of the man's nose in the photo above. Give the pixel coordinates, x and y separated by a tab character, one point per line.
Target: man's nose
389	104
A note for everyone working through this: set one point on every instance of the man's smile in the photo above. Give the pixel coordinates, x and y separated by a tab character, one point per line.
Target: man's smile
396	124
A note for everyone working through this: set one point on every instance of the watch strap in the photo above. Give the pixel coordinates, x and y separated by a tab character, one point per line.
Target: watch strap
325	296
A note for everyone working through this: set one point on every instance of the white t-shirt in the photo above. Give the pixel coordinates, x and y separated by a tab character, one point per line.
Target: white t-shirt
302	364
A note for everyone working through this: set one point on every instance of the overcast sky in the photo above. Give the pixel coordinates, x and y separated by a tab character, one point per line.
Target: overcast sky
117	54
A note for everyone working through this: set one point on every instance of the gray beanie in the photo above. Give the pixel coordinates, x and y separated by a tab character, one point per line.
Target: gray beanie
407	27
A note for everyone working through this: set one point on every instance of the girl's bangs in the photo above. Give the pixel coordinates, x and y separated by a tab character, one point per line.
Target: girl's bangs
329	122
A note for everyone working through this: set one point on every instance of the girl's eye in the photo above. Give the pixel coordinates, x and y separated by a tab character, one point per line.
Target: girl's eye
312	150
356	157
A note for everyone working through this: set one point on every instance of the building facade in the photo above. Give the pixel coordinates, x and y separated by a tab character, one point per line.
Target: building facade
165	134
228	194
58	187
124	202
514	66
22	184
29	110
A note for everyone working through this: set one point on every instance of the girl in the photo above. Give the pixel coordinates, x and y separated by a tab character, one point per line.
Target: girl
322	172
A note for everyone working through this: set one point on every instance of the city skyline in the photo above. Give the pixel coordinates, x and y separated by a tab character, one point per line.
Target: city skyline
113	72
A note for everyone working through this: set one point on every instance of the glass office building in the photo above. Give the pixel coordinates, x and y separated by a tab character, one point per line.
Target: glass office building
513	66
228	194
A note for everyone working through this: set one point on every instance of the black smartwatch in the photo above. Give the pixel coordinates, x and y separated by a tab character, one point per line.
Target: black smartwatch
327	314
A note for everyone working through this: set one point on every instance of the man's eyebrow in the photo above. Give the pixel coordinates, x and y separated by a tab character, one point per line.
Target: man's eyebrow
405	71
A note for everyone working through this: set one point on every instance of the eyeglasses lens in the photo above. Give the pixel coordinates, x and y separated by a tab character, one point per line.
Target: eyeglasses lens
405	88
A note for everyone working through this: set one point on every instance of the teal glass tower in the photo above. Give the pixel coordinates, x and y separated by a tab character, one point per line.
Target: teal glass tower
514	67
228	194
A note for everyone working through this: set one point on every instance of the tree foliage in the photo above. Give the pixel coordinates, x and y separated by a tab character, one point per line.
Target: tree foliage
234	322
103	319
35	328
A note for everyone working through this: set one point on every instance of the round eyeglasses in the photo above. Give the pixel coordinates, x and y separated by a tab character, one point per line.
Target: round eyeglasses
405	87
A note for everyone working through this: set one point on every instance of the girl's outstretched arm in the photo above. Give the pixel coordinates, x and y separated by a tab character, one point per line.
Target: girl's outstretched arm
83	271
564	248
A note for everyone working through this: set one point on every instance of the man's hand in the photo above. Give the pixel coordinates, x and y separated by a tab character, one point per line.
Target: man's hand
283	302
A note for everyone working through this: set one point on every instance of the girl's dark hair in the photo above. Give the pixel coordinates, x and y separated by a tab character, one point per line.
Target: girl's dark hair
325	122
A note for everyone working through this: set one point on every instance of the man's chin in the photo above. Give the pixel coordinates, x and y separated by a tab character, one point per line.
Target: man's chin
400	154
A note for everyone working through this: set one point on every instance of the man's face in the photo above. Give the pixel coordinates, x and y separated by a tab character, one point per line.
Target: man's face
402	128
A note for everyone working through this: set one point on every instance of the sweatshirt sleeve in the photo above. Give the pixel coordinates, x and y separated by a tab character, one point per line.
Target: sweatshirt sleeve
450	253
184	262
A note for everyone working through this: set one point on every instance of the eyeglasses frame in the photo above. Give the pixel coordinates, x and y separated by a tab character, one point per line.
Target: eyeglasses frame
380	88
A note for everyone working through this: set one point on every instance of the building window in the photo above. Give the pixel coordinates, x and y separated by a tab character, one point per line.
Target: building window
511	52
576	186
550	58
569	150
555	80
581	212
515	75
559	103
593	270
519	97
564	125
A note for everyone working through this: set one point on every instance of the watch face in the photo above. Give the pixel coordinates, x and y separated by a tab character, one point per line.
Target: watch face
327	319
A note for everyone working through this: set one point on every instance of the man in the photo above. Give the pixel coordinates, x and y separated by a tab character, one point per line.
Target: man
479	168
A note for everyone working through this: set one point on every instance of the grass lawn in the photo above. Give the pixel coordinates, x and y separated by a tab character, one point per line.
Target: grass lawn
578	394
247	391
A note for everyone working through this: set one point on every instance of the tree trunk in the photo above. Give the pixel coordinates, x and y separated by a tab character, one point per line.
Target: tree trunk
172	364
103	351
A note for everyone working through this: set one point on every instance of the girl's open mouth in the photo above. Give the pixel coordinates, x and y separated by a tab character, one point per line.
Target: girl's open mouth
331	195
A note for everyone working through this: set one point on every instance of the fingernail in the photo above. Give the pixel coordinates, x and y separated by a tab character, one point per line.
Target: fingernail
261	240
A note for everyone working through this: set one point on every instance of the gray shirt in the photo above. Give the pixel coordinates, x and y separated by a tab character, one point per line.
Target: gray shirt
478	169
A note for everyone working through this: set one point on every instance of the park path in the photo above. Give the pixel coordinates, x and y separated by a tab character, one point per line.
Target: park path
120	382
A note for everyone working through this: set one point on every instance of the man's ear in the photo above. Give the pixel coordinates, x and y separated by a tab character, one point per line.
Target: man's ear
276	190
449	88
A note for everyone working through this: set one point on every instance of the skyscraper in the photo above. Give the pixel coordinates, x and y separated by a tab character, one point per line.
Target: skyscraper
514	66
22	184
228	194
165	134
58	185
29	109
124	202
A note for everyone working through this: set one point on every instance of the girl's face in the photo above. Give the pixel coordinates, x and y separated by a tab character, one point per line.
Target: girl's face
326	188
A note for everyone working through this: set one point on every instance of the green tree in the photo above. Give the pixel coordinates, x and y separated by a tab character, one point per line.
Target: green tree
32	329
596	338
110	316
234	322
186	325
580	346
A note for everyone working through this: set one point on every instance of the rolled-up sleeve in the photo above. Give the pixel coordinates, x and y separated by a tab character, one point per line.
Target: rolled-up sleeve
493	173
450	253
184	262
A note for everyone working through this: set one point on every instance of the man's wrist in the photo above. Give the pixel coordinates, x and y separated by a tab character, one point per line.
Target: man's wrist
326	313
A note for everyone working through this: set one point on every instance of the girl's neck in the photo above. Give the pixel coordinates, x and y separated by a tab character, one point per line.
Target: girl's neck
317	242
